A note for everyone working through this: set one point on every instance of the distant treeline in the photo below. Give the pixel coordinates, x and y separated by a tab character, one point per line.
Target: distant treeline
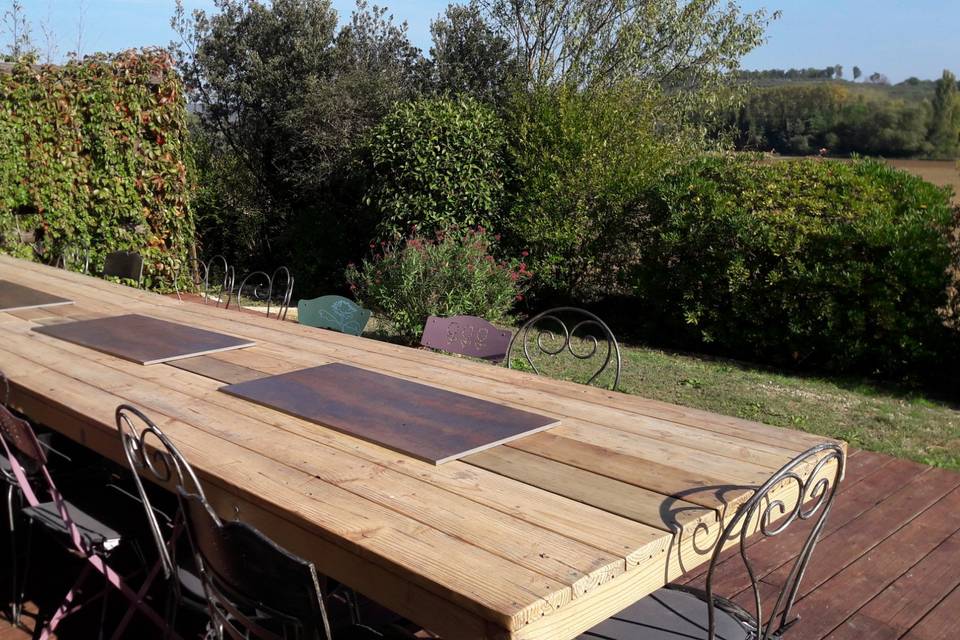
810	73
915	119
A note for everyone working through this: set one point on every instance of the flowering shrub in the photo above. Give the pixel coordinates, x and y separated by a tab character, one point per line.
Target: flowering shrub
451	273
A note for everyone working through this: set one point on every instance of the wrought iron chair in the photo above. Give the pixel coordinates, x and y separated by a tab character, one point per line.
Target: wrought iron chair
467	336
333	312
558	330
676	611
164	465
80	533
124	264
260	286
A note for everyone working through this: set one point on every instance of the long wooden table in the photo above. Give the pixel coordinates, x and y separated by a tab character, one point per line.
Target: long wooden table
540	538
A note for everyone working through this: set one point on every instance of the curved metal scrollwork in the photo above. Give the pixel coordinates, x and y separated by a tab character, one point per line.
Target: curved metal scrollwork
161	462
226	283
814	477
261	287
548	328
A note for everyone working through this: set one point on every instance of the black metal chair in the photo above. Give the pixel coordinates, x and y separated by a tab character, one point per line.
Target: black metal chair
163	464
572	330
262	287
251	587
124	264
680	612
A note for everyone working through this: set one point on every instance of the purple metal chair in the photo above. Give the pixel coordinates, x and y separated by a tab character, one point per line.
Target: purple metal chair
80	532
681	612
466	335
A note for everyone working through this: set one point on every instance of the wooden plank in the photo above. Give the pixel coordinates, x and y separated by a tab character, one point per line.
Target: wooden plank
218	369
16	297
610	495
143	339
688	484
941	623
846	591
918	590
423	422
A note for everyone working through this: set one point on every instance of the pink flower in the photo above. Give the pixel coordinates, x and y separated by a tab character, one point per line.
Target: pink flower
519	296
497	237
524	253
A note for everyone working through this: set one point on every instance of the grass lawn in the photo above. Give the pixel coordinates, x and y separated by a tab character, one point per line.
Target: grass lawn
865	414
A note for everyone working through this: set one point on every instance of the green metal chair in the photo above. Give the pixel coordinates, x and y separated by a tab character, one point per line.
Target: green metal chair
333	312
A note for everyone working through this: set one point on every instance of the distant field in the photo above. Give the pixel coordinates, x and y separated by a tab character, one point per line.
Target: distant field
940	172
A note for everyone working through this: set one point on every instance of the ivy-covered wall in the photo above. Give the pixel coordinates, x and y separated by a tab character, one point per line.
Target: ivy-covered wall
93	158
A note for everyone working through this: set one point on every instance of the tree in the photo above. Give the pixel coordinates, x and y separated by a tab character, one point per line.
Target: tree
587	43
18	29
468	57
856	73
284	97
878	78
838	71
945	120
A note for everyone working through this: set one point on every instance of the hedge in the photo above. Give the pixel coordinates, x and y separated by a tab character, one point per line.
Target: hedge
94	155
833	265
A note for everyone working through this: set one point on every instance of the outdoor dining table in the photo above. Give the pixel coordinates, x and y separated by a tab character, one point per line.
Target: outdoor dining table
540	537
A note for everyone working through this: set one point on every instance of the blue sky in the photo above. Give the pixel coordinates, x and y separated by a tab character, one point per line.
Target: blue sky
899	38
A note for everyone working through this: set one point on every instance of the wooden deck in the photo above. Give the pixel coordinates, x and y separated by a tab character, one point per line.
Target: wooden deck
887	566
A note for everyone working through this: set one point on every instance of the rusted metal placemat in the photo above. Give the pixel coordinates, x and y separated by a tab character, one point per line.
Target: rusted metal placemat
434	425
143	339
16	297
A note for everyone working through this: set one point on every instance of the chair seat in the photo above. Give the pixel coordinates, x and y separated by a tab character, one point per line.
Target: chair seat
667	614
192	586
95	533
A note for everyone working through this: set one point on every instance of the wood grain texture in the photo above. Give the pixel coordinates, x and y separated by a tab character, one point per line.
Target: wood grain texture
16	297
424	422
466	551
143	339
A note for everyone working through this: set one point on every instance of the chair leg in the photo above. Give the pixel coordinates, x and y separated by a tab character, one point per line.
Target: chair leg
14	572
66	606
19	594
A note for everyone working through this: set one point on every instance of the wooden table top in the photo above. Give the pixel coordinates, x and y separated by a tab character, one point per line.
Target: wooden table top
540	538
422	421
143	339
16	297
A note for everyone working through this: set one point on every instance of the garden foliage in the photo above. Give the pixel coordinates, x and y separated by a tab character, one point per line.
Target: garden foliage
450	273
92	155
817	263
435	162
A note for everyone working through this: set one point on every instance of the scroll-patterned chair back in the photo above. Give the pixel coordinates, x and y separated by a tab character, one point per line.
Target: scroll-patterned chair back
813	477
466	335
571	333
333	312
276	290
160	461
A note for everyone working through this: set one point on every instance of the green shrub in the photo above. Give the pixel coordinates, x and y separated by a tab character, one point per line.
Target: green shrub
451	273
580	162
820	263
94	155
435	162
